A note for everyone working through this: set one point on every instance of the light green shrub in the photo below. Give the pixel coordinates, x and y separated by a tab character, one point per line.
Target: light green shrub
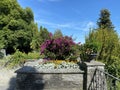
18	58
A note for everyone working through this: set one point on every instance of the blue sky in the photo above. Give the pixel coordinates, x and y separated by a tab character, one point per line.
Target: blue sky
72	17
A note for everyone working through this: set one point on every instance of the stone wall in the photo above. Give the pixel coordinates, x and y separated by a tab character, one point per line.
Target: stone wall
29	78
49	79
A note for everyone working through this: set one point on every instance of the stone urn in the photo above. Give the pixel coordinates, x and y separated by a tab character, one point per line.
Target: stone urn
92	57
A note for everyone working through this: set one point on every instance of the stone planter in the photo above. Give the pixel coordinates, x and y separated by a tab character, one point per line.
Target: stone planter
49	79
31	77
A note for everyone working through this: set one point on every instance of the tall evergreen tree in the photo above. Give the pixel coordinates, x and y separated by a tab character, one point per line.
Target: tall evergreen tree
104	20
107	41
104	38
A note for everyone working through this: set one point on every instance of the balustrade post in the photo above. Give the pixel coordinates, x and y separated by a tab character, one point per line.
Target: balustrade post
94	80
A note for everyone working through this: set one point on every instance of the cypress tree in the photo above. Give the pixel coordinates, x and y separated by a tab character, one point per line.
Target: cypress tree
104	20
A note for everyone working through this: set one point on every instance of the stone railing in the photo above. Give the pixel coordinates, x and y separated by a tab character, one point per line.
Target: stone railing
29	78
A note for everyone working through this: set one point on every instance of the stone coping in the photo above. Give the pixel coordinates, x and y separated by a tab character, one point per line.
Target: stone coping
33	70
94	63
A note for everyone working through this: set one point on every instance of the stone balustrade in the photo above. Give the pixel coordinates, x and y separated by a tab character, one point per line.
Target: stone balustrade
30	78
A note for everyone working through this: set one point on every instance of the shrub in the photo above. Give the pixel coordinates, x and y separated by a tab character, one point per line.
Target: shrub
1	55
113	66
58	48
18	58
33	55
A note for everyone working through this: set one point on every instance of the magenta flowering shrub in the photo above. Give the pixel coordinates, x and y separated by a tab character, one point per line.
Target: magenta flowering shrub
58	48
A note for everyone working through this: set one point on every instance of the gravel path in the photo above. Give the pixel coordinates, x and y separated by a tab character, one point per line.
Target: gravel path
7	79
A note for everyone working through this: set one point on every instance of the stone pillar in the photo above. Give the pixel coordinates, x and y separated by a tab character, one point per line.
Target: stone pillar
92	79
3	53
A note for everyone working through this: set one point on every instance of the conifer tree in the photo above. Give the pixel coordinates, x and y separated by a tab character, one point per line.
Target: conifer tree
104	20
107	41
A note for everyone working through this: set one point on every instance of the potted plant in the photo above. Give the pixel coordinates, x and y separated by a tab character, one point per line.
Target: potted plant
89	53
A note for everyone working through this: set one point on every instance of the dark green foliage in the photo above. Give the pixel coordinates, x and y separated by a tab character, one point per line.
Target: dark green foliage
28	15
104	20
16	26
43	35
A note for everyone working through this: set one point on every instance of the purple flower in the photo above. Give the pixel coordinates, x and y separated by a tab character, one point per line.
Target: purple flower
57	48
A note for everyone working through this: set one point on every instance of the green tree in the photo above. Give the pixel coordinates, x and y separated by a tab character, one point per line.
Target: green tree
107	35
106	41
57	34
44	35
39	38
104	20
16	26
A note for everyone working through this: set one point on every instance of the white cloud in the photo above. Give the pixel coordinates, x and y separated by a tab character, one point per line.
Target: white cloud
49	0
53	25
88	25
84	26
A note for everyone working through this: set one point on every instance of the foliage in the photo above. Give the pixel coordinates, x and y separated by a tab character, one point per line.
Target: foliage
57	34
1	55
16	26
113	66
43	35
104	20
105	40
19	58
59	48
34	55
92	41
39	38
1	39
86	51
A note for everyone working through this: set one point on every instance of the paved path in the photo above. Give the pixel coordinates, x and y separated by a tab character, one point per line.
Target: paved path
7	79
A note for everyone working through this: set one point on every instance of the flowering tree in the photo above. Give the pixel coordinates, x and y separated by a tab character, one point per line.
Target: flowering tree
58	48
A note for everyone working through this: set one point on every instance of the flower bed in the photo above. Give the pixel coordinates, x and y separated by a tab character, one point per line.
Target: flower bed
57	65
53	64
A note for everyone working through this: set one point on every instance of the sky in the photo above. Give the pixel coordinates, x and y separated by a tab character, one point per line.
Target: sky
73	17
